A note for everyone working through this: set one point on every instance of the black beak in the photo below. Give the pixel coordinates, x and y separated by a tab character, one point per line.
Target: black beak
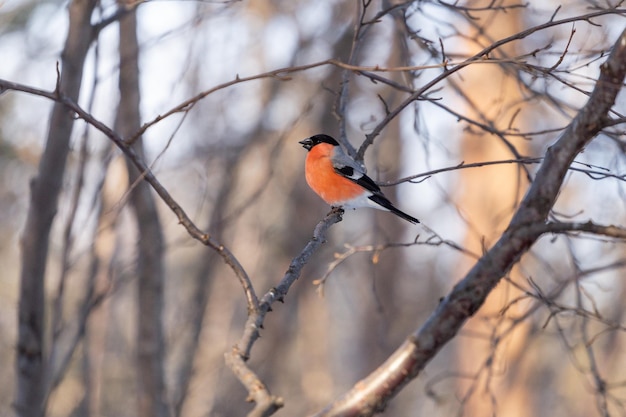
306	144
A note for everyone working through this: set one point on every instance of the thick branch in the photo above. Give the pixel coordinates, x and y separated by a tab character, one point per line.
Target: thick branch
372	394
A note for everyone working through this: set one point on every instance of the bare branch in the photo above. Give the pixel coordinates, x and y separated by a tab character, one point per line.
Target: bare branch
588	227
490	7
482	55
203	237
595	174
267	404
256	309
372	393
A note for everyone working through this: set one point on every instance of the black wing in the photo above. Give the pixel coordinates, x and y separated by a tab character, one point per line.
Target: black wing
359	178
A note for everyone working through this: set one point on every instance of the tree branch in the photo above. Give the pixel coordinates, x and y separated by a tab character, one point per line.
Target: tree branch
267	404
371	394
256	309
205	238
481	55
588	227
597	174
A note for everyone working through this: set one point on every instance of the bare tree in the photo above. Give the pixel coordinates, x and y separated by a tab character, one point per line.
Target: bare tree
528	224
479	114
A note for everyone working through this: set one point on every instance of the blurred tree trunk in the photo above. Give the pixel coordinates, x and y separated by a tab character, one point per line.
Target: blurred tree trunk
376	324
487	198
45	190
150	342
202	285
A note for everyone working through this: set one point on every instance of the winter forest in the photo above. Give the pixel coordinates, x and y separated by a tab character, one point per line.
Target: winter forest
163	256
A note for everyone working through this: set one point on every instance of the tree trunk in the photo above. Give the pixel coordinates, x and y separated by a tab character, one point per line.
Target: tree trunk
45	190
488	198
150	343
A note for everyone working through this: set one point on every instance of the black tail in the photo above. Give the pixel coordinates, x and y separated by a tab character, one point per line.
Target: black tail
382	200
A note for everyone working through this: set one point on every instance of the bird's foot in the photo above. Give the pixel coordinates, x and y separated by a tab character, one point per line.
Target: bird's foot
337	210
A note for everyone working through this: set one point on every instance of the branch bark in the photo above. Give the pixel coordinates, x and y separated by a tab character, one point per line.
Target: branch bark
371	394
45	190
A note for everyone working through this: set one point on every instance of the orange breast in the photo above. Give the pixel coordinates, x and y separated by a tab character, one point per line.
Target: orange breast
322	178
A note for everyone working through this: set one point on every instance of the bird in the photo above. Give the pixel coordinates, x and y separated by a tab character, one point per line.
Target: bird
340	181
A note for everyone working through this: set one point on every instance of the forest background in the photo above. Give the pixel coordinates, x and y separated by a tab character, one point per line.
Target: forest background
154	211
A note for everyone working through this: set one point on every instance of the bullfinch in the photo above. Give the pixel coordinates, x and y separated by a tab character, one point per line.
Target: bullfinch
340	180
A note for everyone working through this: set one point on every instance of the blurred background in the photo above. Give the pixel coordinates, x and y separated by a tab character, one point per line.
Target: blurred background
550	339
